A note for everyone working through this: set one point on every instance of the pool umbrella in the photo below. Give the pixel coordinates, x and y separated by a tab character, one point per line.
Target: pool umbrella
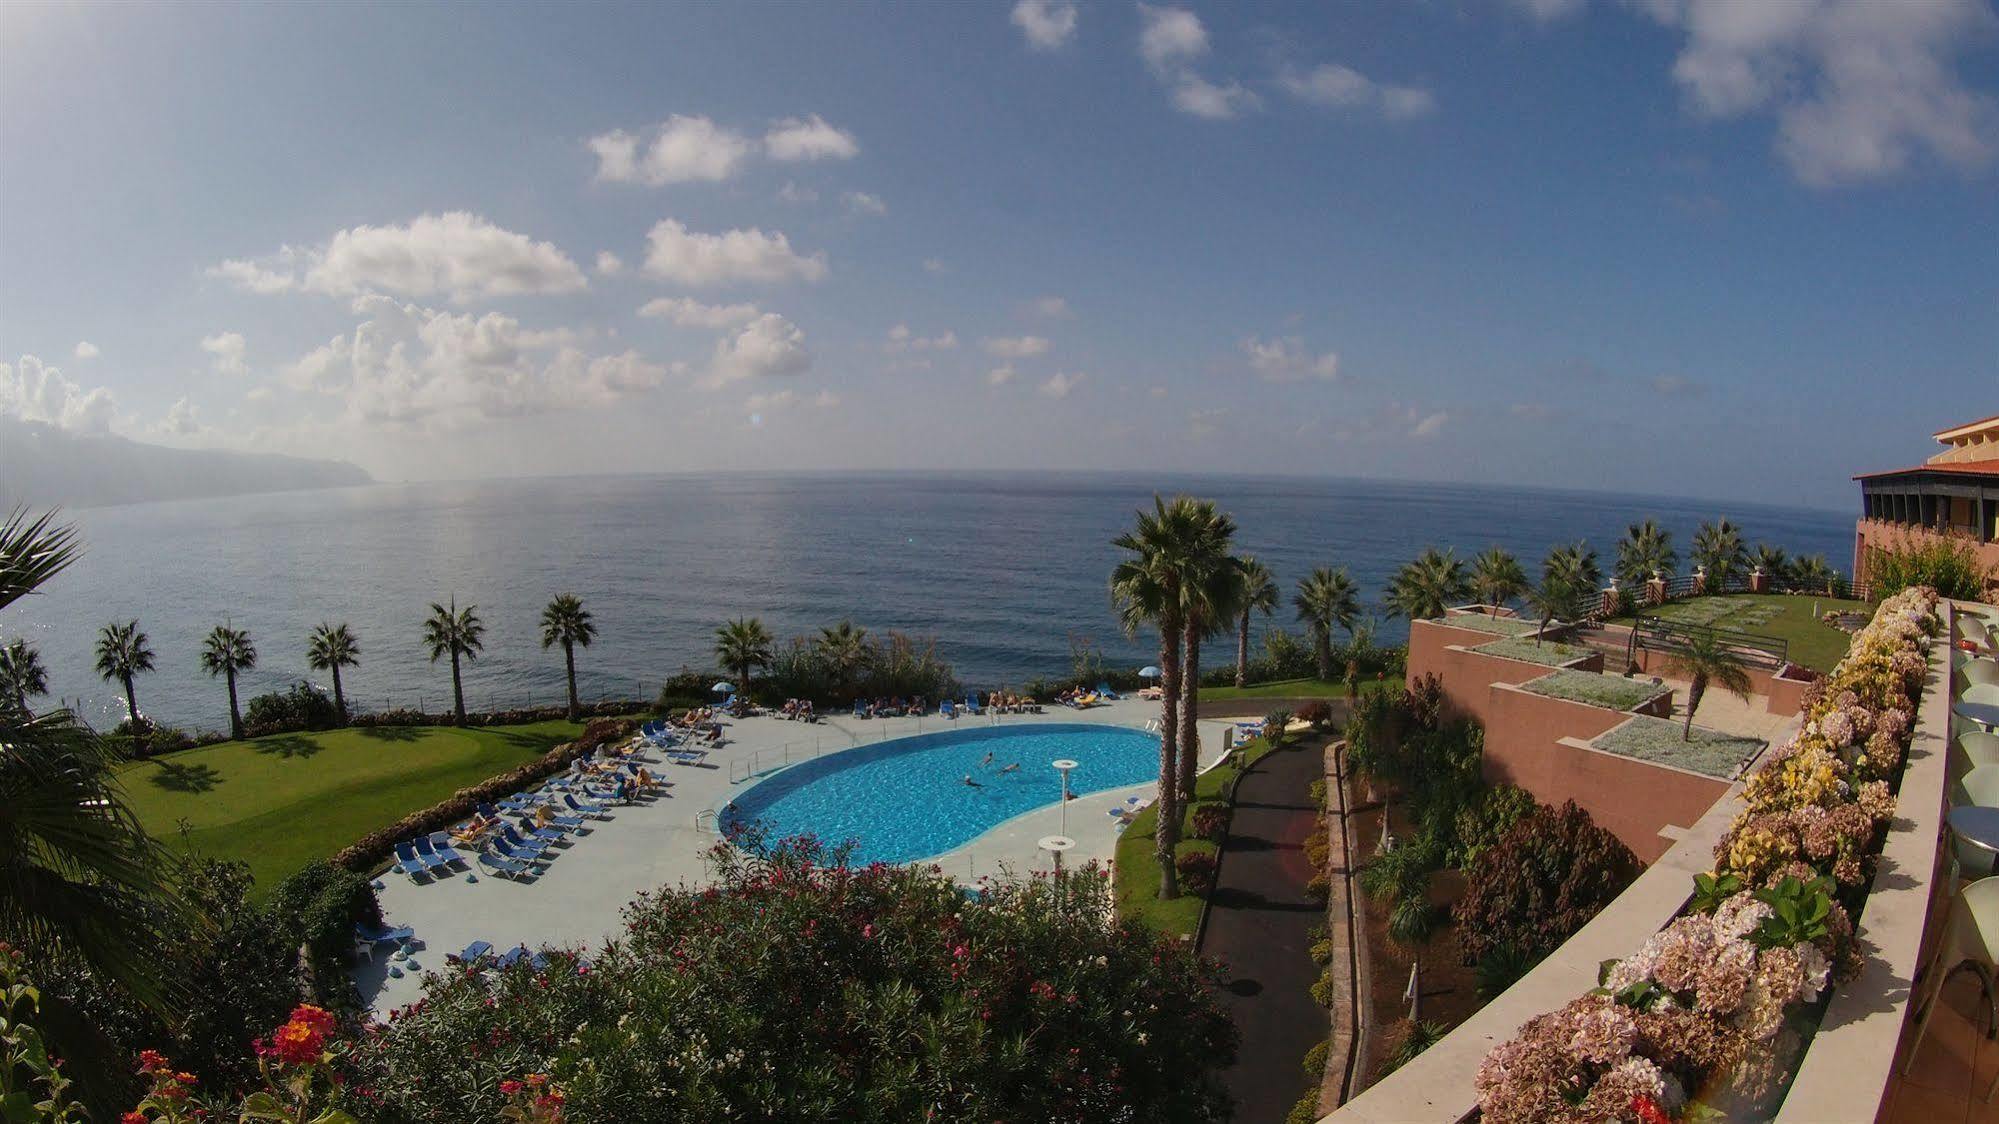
724	688
1148	672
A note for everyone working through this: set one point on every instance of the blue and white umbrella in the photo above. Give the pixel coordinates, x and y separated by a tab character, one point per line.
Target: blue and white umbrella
724	688
1148	672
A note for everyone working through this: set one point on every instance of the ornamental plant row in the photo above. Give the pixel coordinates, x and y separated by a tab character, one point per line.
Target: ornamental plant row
1705	1017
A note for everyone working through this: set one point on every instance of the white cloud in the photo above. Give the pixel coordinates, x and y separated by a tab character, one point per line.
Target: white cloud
901	339
182	421
609	264
674	253
1342	87
253	278
684	149
227	348
1059	384
457	254
1170	36
769	402
1048	308
1285	359
86	350
809	138
792	192
1015	347
1047	24
768	345
689	313
1196	95
422	368
34	391
862	203
1430	424
1000	375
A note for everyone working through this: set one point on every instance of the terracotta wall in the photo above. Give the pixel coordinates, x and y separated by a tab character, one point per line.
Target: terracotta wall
1882	533
1467	675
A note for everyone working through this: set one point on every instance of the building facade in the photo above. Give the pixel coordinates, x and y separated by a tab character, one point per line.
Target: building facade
1955	493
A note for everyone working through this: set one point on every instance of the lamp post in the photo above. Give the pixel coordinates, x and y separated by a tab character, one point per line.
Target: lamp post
1063	766
1055	845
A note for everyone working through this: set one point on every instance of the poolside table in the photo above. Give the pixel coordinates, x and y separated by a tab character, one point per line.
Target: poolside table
1985	714
1978	826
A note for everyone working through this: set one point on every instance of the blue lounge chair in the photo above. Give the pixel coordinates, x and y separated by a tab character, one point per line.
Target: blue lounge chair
972	704
473	953
583	808
513	846
565	822
374	932
511	957
1104	692
502	865
947	709
860	710
440	845
411	863
428	851
547	836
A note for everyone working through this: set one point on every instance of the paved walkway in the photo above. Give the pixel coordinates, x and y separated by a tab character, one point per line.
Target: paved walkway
1259	924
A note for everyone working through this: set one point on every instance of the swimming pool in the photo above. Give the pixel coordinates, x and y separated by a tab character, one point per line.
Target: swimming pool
906	799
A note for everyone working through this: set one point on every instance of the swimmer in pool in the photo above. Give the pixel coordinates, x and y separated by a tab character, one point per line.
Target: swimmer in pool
970	783
1009	768
986	762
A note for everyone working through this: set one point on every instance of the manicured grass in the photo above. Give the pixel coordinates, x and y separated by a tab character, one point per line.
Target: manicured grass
280	802
1137	867
1293	689
1594	688
1787	616
1659	741
1498	626
1554	653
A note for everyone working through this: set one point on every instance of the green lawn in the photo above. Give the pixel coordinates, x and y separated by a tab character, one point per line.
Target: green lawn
1138	870
279	802
1289	689
1788	616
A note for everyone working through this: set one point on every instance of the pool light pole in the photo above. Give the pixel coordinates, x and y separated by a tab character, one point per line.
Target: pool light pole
1063	766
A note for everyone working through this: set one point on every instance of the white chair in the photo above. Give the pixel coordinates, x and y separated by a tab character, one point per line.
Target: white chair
1971	749
1980	786
1977	673
1970	933
1985	693
1973	629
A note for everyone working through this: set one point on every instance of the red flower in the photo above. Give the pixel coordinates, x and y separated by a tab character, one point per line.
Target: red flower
151	1061
510	1087
132	1118
302	1040
1649	1111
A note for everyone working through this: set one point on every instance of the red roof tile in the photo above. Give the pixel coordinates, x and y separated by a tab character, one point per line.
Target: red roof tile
1965	468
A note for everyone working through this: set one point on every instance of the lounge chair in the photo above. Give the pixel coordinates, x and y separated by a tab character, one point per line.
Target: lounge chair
502	865
688	756
513	846
473	953
1104	692
374	932
947	709
546	835
411	863
591	808
972	704
429	850
566	823
512	957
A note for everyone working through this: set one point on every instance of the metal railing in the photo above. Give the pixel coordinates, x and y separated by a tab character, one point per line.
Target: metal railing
1660	634
771	758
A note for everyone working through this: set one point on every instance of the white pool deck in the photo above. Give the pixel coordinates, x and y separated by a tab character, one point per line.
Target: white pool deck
579	897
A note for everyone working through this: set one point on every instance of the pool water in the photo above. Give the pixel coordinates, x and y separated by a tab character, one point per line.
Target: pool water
903	800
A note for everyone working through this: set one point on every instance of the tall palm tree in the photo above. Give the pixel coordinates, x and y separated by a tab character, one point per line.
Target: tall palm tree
1326	598
1424	588
78	876
845	650
226	652
1719	550
22	674
1813	574
1775	564
122	653
1574	563
1212	584
1645	549
743	645
1496	578
566	622
460	634
1258	593
1557	598
1706	659
1147	588
331	648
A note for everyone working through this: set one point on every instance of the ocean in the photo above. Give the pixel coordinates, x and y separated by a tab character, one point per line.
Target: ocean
1003	570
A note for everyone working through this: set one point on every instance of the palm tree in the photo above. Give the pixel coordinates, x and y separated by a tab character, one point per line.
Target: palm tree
845	650
22	674
1719	550
1575	564
1645	549
1557	599
331	648
1146	586
1258	593
1707	659
1423	589
122	653
1212	584
1326	598
1813	574
460	634
1496	578
226	652
743	645
566	622
78	876
1775	564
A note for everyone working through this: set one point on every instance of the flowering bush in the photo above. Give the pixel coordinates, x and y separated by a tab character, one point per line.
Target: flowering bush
294	1064
1706	999
1211	820
797	988
1197	871
1543	880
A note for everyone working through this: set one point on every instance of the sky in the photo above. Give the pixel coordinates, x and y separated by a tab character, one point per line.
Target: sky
1714	248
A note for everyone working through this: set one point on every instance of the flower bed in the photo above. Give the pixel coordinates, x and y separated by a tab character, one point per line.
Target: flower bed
1661	742
1595	688
1553	653
1713	1009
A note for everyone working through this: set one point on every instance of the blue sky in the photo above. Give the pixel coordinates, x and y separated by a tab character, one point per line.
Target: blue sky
1668	246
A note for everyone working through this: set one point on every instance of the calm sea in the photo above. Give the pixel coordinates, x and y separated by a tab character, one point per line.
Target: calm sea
1002	569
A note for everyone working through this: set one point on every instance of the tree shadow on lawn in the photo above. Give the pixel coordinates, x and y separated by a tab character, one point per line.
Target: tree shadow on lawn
288	745
185	778
390	733
521	739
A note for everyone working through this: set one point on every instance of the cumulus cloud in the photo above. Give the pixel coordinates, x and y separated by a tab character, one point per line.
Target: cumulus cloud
862	203
689	313
1015	347
421	367
901	339
1429	424
456	254
769	345
809	138
609	264
34	391
1342	87
682	149
1047	24
227	349
674	253
1196	95
1000	375
182	421
1048	308
1060	384
1171	40
1286	359
793	192
86	350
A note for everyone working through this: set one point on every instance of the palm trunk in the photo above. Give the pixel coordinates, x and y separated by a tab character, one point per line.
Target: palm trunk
235	716
1695	690
569	657
339	699
1322	651
1242	651
1190	701
457	690
131	703
1166	838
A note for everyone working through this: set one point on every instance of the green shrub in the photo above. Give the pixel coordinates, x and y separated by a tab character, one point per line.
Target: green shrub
1326	989
1412	921
1319	848
1306	1111
1315	1059
302	706
1277	728
1319	887
1322	952
1946	563
1500	968
1480	823
318	908
1545	878
1317	791
1411	1039
1393	875
1197	871
1210	820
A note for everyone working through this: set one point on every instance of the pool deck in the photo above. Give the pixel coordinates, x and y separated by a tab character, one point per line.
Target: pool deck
579	897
